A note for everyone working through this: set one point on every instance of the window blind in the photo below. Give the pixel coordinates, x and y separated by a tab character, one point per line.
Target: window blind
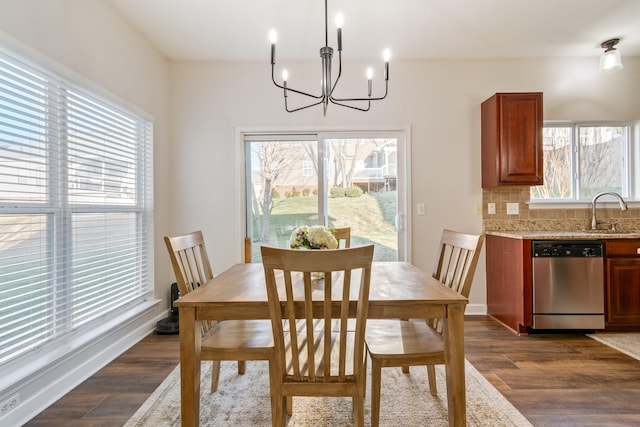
76	207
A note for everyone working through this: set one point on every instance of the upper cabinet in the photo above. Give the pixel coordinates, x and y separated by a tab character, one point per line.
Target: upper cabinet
512	139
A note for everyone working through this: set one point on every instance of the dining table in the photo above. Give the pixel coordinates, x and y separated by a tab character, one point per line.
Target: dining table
399	290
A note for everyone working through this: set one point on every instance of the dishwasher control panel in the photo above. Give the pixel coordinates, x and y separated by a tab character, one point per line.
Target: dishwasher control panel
574	249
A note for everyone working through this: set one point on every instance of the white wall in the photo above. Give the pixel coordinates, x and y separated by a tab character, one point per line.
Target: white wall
91	43
438	99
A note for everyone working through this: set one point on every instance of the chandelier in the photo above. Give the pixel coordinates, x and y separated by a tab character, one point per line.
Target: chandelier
327	85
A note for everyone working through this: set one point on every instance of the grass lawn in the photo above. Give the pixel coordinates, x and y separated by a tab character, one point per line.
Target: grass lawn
370	216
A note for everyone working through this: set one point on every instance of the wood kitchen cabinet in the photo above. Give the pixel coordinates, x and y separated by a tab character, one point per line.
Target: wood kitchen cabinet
512	139
509	282
622	284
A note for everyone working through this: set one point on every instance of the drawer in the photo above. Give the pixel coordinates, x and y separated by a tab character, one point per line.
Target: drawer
622	248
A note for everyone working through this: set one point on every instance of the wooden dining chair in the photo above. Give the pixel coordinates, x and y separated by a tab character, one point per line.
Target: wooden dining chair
238	340
343	236
321	357
414	342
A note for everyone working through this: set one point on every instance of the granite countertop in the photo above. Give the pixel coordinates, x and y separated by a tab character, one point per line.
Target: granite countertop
564	235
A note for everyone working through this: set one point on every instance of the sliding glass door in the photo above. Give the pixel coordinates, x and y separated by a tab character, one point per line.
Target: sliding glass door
332	179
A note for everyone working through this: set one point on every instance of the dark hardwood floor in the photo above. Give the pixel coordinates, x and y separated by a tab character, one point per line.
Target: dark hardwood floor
553	379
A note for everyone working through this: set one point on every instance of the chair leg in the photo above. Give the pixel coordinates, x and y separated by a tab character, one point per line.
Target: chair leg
405	369
241	367
278	404
358	410
289	406
431	373
215	375
279	408
376	377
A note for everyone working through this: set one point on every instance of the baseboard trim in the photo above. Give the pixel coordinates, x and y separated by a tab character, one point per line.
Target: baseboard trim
476	309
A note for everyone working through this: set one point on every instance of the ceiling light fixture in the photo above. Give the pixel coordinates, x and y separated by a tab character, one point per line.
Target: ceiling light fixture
327	86
610	61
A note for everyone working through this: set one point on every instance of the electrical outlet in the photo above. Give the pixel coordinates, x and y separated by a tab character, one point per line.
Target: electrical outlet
9	404
491	208
478	208
513	209
421	209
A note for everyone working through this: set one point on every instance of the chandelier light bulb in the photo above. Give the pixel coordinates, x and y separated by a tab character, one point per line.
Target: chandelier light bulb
339	20
369	73
285	75
386	55
273	36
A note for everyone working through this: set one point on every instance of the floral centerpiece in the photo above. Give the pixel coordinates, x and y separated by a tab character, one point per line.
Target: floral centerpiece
314	237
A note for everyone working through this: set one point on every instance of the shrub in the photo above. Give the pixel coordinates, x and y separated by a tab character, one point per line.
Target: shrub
276	195
353	191
306	192
294	192
337	192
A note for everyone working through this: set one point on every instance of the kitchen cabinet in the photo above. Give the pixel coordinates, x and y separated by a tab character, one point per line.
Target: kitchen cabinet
512	139
509	282
622	284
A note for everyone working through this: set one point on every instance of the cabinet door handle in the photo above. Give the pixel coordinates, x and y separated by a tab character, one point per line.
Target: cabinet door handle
638	251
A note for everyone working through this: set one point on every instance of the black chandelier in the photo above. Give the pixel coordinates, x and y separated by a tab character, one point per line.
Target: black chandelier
326	53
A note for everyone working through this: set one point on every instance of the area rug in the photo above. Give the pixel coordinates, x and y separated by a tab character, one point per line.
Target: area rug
243	400
627	343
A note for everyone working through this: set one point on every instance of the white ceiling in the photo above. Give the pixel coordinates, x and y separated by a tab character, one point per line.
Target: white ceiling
237	30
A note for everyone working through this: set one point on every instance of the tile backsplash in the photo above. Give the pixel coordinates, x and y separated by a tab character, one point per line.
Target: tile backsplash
547	219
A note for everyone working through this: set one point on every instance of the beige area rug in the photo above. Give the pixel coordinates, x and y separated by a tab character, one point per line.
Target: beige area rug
627	343
243	400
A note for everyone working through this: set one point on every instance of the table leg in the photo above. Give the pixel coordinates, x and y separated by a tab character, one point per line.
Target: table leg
190	341
454	365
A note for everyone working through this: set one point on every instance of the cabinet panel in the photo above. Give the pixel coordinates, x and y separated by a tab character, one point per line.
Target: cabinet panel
623	292
509	294
512	139
622	248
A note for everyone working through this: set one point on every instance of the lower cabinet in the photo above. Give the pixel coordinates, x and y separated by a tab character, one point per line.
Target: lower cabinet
509	283
622	284
509	294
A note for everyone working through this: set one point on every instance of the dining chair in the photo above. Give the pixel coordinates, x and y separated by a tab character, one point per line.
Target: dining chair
414	342
238	340
315	352
343	236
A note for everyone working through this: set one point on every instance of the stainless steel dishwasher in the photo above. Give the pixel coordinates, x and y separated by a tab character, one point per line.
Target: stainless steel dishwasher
568	284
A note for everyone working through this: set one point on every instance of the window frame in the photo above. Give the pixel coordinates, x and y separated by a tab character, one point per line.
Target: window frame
403	156
631	174
66	337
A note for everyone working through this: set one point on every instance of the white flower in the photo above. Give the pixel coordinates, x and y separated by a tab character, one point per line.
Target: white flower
314	237
321	238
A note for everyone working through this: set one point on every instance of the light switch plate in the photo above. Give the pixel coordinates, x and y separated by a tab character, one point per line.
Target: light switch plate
491	208
420	208
513	209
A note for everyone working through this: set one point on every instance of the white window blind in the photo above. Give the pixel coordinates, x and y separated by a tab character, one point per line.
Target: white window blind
76	208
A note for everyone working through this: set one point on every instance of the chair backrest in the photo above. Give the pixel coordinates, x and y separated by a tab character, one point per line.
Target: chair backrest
458	255
343	235
457	260
324	349
189	260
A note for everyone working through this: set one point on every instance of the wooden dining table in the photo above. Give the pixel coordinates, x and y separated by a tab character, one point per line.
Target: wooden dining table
398	290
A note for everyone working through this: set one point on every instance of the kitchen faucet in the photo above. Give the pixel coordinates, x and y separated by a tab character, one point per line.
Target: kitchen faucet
594	221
